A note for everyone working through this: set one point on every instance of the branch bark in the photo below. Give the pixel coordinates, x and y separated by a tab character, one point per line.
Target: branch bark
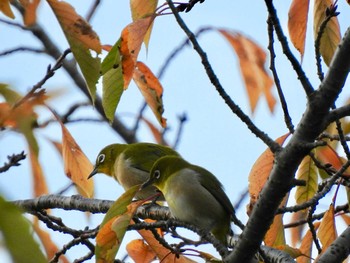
339	250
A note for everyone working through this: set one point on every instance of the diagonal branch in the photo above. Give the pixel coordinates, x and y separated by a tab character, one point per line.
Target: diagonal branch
289	158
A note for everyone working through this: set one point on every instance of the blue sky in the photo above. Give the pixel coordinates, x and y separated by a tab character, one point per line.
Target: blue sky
213	137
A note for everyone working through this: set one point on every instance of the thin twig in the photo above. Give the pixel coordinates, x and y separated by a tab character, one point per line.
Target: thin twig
92	10
13	160
215	81
287	118
286	50
21	49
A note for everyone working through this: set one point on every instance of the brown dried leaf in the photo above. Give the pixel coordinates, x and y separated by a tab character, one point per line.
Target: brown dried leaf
297	24
331	35
151	90
252	60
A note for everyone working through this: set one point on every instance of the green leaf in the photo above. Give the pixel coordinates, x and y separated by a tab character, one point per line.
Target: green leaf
17	236
114	225
10	95
112	60
89	66
113	87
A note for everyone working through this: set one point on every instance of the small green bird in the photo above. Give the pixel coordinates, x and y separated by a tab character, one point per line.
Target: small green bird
194	195
130	164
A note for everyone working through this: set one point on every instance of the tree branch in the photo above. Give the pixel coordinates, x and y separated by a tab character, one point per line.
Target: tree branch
289	158
338	250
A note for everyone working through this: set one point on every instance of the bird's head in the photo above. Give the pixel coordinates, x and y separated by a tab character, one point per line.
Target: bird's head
106	158
163	168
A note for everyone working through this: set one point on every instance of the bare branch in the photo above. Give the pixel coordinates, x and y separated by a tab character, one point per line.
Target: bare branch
13	160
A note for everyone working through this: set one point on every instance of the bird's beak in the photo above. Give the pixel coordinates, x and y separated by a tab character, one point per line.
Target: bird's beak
92	173
147	183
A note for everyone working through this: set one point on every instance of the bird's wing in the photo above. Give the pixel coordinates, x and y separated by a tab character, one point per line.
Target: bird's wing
213	185
152	151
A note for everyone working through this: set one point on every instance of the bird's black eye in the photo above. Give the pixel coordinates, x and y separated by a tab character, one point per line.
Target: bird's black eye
101	158
157	174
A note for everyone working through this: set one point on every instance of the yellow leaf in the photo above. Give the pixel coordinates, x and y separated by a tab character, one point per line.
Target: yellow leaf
140	252
306	246
6	9
141	9
293	252
30	7
76	165
331	35
252	60
151	90
132	37
307	172
327	232
297	24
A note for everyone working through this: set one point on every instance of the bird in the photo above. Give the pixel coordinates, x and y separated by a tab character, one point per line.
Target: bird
130	164
194	195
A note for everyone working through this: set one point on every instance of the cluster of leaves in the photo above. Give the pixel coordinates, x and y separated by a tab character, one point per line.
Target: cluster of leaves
119	67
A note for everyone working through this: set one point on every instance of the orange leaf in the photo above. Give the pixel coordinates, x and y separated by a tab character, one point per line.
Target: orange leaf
30	7
76	165
6	9
297	24
40	186
331	35
261	170
141	9
49	246
257	179
131	40
114	225
75	26
327	155
157	134
163	254
327	232
151	90
346	218
252	60
296	232
140	252
306	246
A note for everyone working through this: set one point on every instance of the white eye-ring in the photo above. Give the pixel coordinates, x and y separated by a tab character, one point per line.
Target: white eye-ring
101	158
157	174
